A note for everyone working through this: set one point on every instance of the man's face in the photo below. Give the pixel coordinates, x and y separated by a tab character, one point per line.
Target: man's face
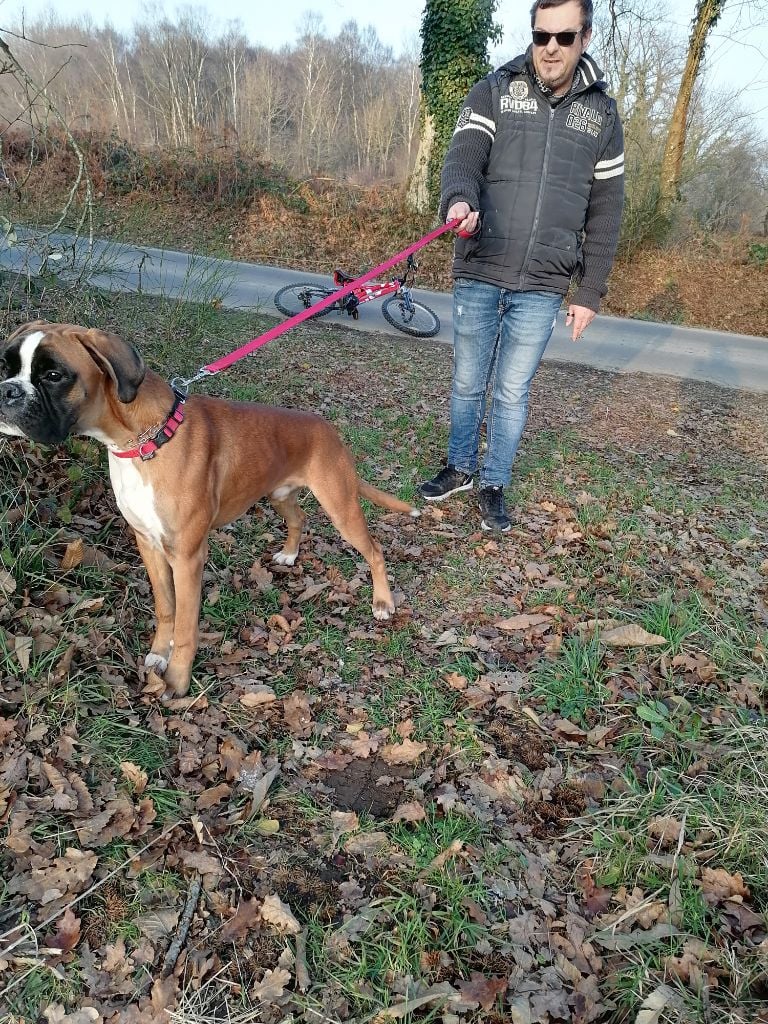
556	64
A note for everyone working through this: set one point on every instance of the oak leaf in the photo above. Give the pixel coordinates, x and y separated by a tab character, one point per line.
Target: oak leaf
413	811
56	1014
257	696
719	884
271	986
73	556
403	753
137	777
482	990
279	914
67	933
212	796
245	918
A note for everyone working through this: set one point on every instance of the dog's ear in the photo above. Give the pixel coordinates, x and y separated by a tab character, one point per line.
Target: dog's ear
118	358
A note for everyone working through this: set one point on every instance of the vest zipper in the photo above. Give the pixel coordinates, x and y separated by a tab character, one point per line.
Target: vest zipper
539	198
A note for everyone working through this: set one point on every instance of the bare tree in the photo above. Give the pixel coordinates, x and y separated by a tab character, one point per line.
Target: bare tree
706	17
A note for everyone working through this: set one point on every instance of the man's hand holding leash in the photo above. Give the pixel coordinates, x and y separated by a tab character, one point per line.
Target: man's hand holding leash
469	219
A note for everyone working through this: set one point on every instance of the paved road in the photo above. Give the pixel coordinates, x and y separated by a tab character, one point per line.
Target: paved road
730	360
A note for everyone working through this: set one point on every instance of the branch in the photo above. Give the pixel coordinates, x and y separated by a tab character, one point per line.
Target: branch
81	176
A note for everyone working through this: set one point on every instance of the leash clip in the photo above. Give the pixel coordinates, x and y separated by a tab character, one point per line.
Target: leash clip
181	385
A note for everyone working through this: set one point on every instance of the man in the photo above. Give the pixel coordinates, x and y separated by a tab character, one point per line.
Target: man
535	175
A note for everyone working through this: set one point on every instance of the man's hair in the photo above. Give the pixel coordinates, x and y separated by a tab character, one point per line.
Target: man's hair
586	10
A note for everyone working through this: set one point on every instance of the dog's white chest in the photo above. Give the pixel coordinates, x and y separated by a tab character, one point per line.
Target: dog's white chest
136	500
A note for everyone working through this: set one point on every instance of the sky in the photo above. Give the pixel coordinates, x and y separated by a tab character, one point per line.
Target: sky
737	56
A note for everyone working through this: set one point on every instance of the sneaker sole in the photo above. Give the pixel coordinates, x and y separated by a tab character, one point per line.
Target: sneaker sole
495	529
456	490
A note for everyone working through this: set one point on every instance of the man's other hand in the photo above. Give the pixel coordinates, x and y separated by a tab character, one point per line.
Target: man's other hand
578	316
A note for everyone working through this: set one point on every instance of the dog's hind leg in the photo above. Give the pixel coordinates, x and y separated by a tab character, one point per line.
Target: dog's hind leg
340	501
161	578
287	506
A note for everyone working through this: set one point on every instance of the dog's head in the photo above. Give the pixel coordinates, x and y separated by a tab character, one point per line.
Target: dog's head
52	374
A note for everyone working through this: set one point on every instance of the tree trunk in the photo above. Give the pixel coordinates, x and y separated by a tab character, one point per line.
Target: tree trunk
707	14
418	190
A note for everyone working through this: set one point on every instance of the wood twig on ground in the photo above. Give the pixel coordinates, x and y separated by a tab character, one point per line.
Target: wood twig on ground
174	950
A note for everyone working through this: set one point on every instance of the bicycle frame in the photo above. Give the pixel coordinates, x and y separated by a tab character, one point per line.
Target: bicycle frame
376	289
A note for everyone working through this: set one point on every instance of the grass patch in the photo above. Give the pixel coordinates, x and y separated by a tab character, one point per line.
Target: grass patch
574	682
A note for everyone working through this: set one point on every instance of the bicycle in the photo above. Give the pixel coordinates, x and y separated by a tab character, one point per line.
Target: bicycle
400	309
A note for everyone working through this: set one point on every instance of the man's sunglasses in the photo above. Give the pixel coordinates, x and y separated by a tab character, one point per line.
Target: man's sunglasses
541	38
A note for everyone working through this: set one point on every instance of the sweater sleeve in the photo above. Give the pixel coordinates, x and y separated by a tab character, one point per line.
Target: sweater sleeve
603	221
467	155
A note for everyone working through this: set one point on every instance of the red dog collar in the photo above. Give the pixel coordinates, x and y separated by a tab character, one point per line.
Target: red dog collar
146	449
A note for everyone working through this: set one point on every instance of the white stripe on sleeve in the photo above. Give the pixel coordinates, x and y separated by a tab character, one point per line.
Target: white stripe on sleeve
609	174
479	119
477	127
603	165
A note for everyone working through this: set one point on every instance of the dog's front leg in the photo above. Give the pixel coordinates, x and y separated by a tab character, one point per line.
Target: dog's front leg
161	578
187	570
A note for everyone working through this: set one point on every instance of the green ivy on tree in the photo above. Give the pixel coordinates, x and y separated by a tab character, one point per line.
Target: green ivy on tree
454	55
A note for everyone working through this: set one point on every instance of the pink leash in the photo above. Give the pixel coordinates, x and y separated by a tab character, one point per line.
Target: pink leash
305	314
146	448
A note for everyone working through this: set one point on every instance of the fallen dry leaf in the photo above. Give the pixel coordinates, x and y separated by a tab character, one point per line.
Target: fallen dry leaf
482	991
137	777
67	933
73	556
257	696
403	753
245	918
632	636
271	986
279	914
413	811
57	1014
214	795
524	621
719	884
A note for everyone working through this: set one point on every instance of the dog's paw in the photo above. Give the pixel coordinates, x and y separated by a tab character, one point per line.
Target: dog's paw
382	611
415	513
156	662
284	558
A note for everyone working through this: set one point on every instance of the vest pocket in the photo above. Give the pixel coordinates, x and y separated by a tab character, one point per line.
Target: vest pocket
560	247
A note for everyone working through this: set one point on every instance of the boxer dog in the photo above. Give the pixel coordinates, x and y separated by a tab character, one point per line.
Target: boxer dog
180	468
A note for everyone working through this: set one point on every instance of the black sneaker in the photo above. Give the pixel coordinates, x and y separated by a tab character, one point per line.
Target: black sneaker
493	511
447	482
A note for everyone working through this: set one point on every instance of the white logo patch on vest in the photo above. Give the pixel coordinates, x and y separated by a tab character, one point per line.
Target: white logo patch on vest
464	117
518	101
585	119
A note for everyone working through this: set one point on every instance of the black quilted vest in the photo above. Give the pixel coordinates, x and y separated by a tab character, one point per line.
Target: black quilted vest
537	183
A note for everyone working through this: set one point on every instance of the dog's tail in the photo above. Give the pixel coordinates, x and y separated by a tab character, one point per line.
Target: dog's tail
385	500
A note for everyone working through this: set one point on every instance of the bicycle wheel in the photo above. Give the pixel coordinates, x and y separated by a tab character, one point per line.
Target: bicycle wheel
295	297
415	318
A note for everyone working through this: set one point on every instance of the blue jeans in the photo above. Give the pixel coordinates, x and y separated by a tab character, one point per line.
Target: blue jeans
494	328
